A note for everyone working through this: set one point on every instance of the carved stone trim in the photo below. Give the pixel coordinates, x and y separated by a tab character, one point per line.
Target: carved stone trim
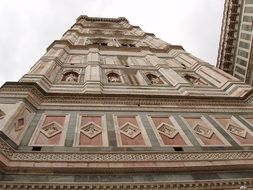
130	130
100	19
18	89
91	130
20	124
239	131
220	184
167	130
51	129
203	131
122	156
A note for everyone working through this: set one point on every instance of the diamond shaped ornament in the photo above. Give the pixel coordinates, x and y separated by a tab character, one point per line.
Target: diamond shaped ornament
91	130
51	129
19	124
236	130
167	130
203	131
130	130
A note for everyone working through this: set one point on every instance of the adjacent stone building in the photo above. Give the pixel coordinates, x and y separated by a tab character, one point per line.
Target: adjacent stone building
110	106
235	49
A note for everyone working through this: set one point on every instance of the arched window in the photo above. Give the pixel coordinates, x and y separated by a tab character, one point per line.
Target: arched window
70	77
154	79
113	78
194	80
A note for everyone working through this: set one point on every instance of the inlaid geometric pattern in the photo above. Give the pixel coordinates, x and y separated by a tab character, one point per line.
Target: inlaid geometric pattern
130	130
203	131
91	130
236	130
20	124
167	130
51	129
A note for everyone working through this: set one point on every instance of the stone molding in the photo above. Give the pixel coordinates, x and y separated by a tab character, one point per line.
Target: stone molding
35	94
101	19
220	184
140	37
136	49
14	155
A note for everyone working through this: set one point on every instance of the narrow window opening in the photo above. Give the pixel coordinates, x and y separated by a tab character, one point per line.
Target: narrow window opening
103	44
125	45
178	149
36	148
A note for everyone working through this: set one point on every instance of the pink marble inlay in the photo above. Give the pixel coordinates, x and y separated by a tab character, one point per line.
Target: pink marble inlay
138	140
84	139
213	140
177	140
243	140
42	139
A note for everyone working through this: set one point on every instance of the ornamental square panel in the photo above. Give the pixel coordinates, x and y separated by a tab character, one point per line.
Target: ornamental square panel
91	130
167	130
51	129
236	130
130	130
203	131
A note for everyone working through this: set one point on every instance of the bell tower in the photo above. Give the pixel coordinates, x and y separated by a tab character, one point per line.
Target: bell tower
109	106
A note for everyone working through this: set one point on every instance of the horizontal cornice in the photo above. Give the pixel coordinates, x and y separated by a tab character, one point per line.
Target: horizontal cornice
113	48
101	19
101	161
37	96
220	184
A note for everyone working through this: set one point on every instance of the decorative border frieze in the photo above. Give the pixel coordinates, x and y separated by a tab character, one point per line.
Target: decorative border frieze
38	97
220	184
13	155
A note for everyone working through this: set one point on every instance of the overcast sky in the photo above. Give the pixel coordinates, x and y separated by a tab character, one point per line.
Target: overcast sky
28	27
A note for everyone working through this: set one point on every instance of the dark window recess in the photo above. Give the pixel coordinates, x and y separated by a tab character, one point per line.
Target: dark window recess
127	45
36	148
184	67
103	44
178	149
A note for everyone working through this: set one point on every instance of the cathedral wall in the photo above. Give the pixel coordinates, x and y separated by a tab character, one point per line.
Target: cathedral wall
149	130
109	106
